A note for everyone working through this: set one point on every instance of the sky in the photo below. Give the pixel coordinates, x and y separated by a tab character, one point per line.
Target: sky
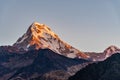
88	25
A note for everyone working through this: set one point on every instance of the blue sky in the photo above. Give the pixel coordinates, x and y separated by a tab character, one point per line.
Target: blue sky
89	25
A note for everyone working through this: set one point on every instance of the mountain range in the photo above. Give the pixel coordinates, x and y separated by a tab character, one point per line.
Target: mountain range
41	55
105	54
106	70
45	64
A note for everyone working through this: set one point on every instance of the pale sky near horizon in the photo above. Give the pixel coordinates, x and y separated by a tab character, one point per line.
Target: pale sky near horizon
88	25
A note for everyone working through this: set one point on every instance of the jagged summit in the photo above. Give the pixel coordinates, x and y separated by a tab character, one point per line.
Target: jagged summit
35	32
39	30
40	36
111	50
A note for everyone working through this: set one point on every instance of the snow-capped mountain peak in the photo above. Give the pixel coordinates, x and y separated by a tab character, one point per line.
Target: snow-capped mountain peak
39	30
40	36
111	50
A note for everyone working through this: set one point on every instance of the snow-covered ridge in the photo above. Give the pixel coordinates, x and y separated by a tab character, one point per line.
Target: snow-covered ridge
40	36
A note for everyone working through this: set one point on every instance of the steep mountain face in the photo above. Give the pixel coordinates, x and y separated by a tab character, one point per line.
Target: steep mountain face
46	63
40	36
105	70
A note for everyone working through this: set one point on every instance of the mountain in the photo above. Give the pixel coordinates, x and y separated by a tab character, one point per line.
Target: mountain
105	54
111	50
105	70
38	64
10	62
41	55
40	36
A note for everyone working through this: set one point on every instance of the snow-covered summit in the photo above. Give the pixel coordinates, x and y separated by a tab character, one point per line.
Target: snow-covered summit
111	50
40	36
